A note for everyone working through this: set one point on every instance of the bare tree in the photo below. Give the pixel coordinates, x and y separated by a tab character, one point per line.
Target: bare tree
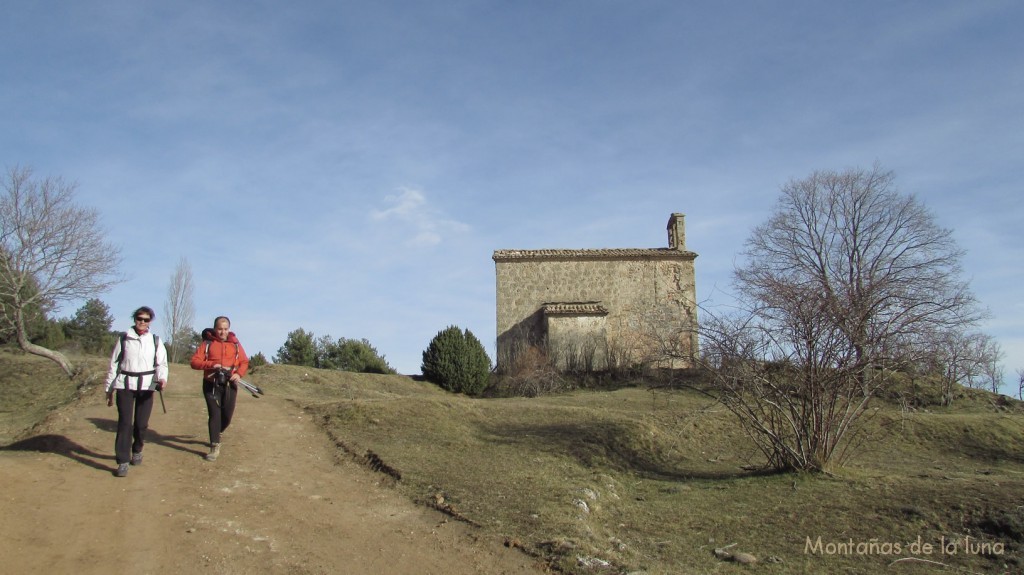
180	310
51	251
993	366
845	280
965	359
1020	383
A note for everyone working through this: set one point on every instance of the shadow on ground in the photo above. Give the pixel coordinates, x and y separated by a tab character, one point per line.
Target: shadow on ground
62	445
609	444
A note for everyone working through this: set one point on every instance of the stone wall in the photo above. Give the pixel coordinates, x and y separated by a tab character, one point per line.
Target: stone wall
602	308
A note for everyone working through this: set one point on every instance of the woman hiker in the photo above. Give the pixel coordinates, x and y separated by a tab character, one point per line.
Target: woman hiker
138	366
223	362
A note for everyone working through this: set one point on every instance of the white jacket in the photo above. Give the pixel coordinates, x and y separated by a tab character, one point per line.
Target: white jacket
136	370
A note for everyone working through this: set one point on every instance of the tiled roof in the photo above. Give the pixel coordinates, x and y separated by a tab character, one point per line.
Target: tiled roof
574	308
614	253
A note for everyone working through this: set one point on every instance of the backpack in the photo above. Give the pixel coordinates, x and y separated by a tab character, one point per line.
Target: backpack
206	351
139	374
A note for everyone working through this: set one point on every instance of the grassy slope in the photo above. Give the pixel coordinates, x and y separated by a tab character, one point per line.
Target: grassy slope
33	387
654	481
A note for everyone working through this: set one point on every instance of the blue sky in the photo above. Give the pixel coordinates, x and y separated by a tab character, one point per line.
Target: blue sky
350	167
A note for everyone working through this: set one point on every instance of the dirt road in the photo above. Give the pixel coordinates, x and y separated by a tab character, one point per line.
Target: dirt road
278	500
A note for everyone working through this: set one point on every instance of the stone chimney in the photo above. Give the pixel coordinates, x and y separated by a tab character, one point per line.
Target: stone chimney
677	232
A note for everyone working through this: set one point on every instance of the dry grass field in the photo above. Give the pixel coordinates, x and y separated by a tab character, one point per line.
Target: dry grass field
640	480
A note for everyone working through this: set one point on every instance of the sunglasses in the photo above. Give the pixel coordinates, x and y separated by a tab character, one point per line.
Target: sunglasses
143	319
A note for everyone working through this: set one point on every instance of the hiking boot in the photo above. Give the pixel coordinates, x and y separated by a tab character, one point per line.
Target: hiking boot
214	452
122	470
137	458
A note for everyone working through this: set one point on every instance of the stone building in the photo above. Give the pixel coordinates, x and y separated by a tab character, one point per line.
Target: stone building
595	309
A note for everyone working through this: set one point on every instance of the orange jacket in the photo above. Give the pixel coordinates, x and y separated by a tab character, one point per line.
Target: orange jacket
229	354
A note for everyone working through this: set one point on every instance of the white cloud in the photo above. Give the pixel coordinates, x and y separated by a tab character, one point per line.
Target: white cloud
407	205
429	226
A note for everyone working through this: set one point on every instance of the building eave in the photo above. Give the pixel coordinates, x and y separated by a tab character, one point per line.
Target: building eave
593	254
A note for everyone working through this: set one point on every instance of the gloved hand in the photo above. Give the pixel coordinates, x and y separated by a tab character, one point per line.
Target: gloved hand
160	385
110	398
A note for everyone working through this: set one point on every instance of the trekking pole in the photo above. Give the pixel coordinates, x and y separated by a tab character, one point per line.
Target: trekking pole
251	388
160	390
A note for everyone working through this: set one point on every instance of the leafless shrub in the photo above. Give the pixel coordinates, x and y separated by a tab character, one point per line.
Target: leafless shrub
531	375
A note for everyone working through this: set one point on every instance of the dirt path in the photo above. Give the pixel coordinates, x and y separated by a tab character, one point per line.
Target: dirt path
278	500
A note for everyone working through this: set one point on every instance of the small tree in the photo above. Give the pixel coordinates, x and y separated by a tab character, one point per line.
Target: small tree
323	354
257	360
48	241
457	361
53	335
298	349
194	339
993	367
354	355
968	359
90	326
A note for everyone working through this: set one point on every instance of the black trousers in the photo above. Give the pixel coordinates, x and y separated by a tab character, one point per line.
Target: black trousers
220	405
133	411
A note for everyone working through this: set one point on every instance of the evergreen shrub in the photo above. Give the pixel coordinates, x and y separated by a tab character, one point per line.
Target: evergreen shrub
258	360
457	361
